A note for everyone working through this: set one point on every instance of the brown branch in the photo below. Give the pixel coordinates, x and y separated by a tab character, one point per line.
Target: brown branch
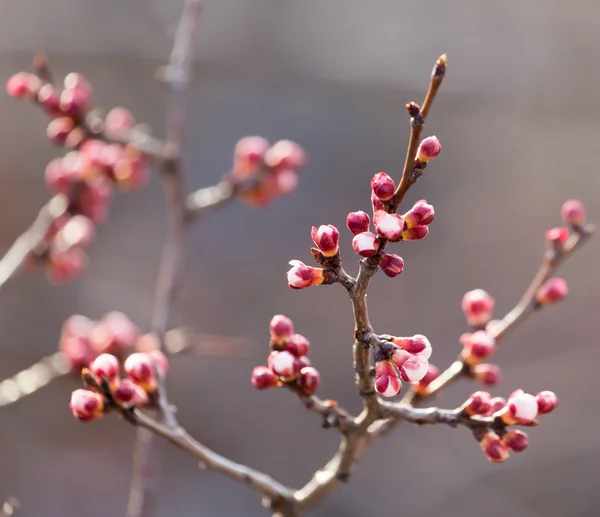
280	497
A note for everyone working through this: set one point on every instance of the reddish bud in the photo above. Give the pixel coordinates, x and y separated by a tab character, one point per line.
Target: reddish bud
412	368
86	405
78	231
140	369
93	199
285	155
284	364
521	408
388	226
516	440
76	96
301	276
129	394
433	373
415	234
376	204
383	186
554	290
479	403
358	222
546	401
365	244
416	345
297	345
493	447
326	238
477	346
477	306
64	266
496	404
58	129
303	361
421	214
58	180
118	122
263	378
309	380
392	265
387	382
558	235
573	212
106	366
249	156
286	181
48	97
487	374
429	148
22	85
281	327
114	333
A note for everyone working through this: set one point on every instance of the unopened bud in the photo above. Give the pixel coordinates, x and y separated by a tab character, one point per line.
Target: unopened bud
547	402
263	378
309	380
281	327
106	366
516	440
421	214
392	265
140	369
387	382
297	345
429	148
301	276
358	222
326	238
493	447
477	306
554	290
365	244
86	405
383	186
478	403
487	374
129	394
573	213
388	226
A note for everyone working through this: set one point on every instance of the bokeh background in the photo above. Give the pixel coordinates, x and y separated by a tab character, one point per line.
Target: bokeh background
518	118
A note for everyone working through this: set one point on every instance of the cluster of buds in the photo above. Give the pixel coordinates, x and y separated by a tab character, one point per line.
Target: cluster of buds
403	358
287	362
85	174
82	340
520	409
269	170
107	389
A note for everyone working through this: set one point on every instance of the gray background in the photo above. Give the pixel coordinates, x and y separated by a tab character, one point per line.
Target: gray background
518	119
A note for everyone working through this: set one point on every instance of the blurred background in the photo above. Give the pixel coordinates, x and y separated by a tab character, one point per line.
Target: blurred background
518	118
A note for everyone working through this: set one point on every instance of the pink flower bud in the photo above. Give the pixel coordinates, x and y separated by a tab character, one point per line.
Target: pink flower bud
433	373
140	369
284	364
86	405
106	366
477	346
93	199
554	290
309	380
392	265
558	235
479	403
493	447
78	231
263	378
297	345
281	327
131	171
376	204
521	408
358	222
48	98
416	345
286	181
74	342
284	155
421	214
388	226
516	440
58	129
302	362
301	276
22	85
129	394
365	244
487	374
477	306
412	368
547	402
429	148
76	96
415	234
118	122
326	238
65	266
249	156
114	333
161	363
387	382
496	404
383	186
573	212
